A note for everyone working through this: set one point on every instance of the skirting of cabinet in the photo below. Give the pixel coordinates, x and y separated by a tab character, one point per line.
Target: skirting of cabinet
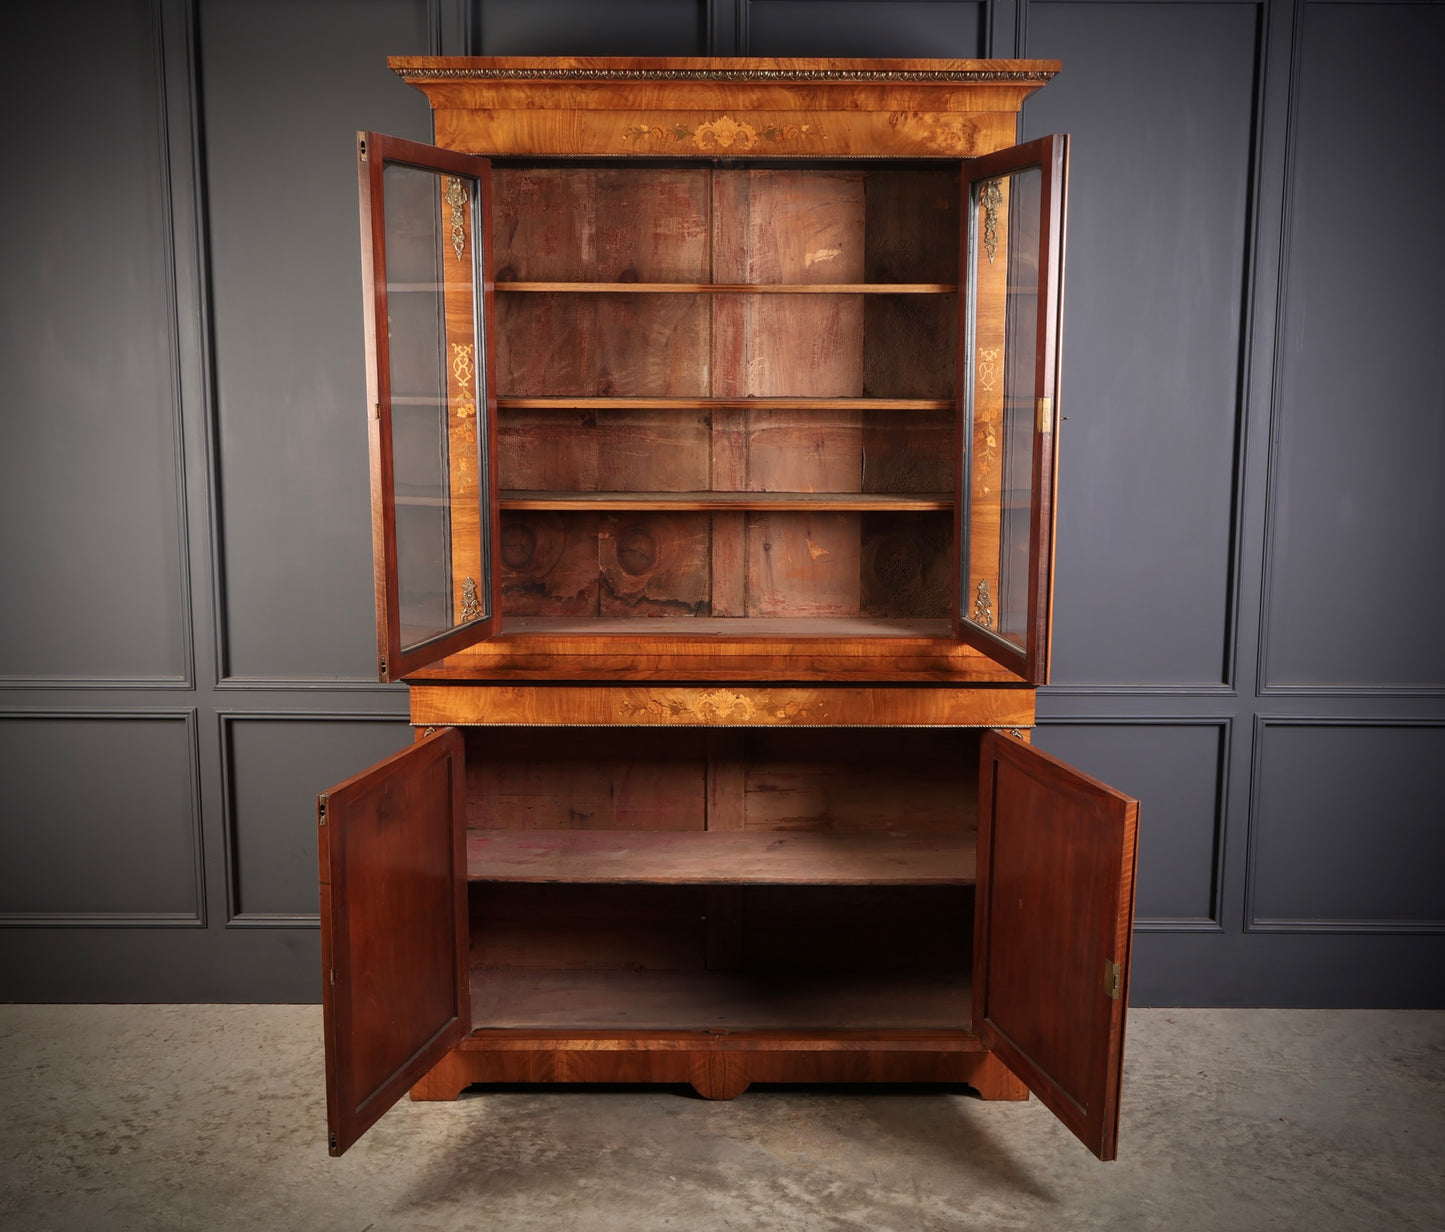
719	1066
712	706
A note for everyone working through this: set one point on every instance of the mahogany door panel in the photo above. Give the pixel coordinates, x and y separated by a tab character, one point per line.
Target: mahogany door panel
393	929
1056	852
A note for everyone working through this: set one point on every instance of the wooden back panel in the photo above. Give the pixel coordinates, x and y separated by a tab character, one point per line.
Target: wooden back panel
913	781
573	364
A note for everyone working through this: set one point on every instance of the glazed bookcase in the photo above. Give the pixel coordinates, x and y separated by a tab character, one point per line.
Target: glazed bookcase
712	409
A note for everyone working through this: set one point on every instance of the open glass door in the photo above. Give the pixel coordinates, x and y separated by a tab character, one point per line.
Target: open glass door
426	274
1054	923
395	994
1008	389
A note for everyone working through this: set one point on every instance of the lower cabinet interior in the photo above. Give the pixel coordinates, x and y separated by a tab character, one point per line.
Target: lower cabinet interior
722	879
734	958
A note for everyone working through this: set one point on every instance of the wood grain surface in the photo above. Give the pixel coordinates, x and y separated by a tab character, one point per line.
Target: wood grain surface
661	1000
622	857
679	107
719	706
1057	852
720	1064
718	825
394	948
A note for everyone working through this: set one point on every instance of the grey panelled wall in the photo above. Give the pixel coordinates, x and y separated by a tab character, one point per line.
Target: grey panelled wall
283	89
1356	478
1251	517
94	565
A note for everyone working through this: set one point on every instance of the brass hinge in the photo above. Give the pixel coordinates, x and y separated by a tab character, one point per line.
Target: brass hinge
333	977
376	410
321	809
383	667
1113	977
1046	415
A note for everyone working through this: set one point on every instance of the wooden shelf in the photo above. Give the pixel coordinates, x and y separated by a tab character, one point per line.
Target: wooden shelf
733	288
748	628
539	999
709	288
719	857
771	502
731	404
699	288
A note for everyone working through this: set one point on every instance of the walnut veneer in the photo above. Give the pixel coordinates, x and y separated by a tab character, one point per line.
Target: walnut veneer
712	408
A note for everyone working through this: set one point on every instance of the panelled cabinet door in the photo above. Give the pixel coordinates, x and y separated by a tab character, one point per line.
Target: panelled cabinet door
1012	253
393	929
426	270
1054	918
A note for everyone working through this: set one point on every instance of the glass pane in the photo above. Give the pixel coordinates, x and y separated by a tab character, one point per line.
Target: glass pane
436	387
1006	215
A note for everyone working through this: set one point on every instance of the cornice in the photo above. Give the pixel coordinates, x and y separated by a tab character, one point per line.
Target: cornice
810	76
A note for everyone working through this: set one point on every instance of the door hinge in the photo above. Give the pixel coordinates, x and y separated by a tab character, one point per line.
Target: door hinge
332	977
376	410
321	809
382	664
361	148
1046	415
1113	977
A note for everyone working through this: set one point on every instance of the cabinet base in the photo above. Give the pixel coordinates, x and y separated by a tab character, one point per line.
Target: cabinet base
720	1066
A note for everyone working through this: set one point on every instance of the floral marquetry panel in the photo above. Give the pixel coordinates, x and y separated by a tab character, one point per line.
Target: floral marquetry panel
719	706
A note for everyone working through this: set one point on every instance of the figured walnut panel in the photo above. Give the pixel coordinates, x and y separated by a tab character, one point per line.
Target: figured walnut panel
703	706
756	133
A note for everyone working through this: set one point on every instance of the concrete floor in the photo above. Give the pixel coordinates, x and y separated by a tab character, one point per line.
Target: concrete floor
191	1117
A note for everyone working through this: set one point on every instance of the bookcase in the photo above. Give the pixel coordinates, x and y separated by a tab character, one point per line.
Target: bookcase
713	413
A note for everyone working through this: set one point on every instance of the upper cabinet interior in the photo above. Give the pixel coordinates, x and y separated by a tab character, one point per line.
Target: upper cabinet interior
758	350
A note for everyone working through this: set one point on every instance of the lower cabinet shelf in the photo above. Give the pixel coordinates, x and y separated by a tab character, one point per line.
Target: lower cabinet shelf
711	857
625	1000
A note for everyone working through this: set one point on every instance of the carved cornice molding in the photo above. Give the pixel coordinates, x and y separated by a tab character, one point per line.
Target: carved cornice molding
811	76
